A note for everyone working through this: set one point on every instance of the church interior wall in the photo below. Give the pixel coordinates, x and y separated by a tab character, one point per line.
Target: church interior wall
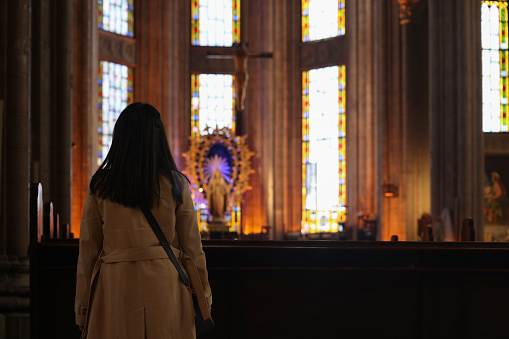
413	103
387	87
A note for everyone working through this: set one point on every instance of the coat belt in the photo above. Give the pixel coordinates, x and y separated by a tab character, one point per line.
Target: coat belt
137	254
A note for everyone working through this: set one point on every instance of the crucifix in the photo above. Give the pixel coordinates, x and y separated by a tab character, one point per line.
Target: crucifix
240	56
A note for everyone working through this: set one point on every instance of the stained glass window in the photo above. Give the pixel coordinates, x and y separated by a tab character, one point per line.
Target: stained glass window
215	22
116	16
323	149
322	19
115	83
212	103
495	62
213	106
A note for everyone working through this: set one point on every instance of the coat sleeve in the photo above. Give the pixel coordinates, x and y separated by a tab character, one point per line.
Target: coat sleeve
190	239
91	243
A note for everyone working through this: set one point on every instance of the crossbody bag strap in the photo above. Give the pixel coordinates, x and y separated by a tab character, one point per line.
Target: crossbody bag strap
164	242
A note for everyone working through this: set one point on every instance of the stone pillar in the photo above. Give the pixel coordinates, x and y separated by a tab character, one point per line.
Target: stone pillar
84	79
390	95
62	80
403	127
256	29
16	53
361	118
457	163
176	99
17	132
274	117
287	114
52	102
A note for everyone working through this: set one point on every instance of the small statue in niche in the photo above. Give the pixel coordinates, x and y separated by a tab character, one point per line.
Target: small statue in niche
217	171
218	196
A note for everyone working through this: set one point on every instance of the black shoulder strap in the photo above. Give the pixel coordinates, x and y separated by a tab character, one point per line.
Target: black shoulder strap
162	239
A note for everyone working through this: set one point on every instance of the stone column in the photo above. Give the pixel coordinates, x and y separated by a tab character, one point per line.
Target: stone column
62	80
403	125
457	162
390	95
256	29
51	101
274	117
83	75
17	132
176	103
14	278
361	118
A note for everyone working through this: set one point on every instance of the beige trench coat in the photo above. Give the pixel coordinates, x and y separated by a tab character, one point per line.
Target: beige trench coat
126	286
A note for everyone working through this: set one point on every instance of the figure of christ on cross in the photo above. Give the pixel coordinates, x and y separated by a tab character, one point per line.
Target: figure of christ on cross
240	57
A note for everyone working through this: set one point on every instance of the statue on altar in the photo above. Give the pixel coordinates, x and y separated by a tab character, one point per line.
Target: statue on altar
218	197
218	166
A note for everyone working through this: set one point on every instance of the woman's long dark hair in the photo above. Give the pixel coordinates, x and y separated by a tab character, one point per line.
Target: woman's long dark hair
139	153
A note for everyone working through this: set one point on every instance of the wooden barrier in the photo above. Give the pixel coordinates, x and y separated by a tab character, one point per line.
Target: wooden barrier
324	289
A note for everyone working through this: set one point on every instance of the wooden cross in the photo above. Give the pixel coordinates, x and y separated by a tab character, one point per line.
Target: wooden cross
240	56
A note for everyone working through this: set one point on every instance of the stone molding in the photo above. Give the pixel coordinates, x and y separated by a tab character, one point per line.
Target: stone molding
114	47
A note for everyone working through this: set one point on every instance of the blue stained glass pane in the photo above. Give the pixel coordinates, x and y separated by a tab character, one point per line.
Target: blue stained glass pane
216	101
306	12
323	181
215	28
341	110
235	208
341	181
323	19
342	134
306	115
306	91
504	101
503	45
100	154
115	93
116	17
341	87
341	5
341	157
503	73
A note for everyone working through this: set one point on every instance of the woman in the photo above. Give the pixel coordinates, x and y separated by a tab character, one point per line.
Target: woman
126	285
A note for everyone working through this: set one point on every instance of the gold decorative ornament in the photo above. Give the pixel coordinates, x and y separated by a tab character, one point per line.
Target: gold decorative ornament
405	10
218	151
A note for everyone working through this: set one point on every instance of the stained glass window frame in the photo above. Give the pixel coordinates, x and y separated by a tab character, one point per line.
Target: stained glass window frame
337	218
235	217
195	100
195	24
128	18
129	86
305	22
495	110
